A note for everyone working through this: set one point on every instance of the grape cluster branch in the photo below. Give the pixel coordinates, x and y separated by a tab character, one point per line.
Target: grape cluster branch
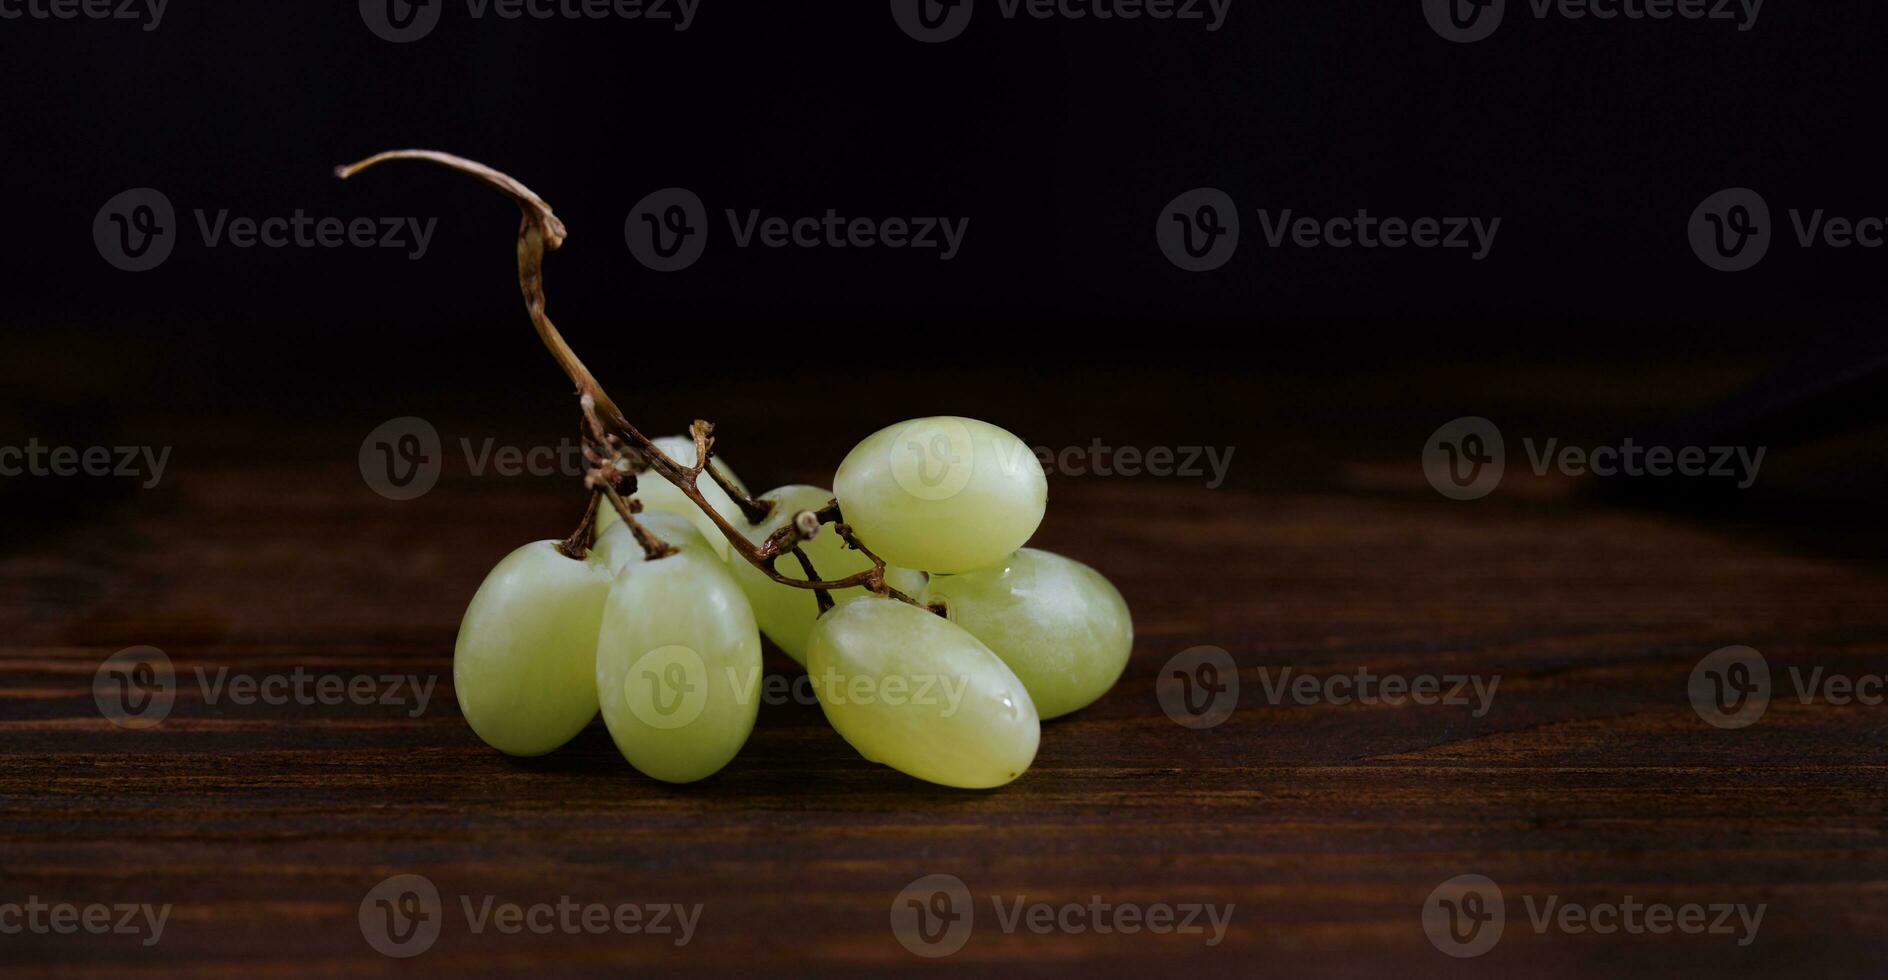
612	437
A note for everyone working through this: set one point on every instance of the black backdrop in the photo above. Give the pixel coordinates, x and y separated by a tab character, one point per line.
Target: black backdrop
1059	139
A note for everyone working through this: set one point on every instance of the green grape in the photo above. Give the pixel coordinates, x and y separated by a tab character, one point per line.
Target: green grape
1057	623
658	494
913	691
617	546
523	666
786	612
678	665
944	494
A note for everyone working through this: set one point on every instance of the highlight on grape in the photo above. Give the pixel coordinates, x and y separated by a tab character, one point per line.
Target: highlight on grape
934	640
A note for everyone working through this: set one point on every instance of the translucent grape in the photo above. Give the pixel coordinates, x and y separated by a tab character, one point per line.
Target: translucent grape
524	663
944	494
617	546
913	691
678	665
1056	622
658	494
786	612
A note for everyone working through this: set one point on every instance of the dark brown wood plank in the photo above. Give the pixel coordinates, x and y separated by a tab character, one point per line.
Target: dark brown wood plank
1590	778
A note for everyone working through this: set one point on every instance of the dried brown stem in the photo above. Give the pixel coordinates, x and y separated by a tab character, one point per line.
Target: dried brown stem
580	541
755	511
539	231
823	597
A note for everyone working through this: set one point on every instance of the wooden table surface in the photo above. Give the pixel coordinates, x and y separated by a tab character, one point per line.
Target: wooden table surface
1590	780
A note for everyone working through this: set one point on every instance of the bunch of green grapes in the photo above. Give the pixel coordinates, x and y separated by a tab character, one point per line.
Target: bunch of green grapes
936	642
943	669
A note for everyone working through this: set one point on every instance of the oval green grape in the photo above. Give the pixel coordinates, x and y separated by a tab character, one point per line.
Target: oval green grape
914	691
523	666
658	494
944	494
1061	626
678	665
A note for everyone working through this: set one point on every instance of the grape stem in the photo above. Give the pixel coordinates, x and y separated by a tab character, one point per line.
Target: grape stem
585	536
540	231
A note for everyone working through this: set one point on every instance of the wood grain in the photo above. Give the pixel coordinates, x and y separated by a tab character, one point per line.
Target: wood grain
1590	777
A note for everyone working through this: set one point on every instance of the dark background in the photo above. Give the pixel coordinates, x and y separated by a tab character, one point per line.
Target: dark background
1060	140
